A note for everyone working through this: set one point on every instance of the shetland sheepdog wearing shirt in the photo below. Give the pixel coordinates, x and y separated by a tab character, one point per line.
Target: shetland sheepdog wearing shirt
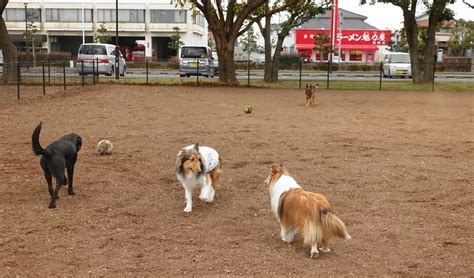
303	212
198	166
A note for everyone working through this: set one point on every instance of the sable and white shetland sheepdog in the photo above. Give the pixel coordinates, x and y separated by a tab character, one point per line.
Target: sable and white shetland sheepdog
198	166
303	212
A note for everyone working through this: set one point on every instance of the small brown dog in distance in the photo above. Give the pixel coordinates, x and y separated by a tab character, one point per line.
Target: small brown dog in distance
310	93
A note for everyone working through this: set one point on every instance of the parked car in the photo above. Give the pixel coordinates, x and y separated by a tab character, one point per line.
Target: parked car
397	64
215	60
102	56
195	60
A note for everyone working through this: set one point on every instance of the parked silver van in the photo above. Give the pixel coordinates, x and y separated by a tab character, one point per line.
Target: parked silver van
196	60
103	56
397	64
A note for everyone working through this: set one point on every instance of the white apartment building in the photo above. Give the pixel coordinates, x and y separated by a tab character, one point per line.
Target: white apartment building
61	26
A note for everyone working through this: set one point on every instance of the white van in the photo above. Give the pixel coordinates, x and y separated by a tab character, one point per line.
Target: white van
397	64
102	53
196	60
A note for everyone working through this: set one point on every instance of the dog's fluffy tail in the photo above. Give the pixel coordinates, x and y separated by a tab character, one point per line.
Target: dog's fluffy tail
333	226
37	149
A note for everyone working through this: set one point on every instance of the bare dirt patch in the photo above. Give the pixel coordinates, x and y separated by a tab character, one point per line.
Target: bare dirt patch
397	167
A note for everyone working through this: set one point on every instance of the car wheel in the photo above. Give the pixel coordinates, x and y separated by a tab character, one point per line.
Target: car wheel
182	75
124	71
111	72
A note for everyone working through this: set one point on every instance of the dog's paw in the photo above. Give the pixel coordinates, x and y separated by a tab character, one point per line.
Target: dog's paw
71	193
188	209
51	206
314	255
325	249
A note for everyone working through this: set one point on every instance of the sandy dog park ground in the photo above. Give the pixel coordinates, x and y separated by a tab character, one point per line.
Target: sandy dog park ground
396	166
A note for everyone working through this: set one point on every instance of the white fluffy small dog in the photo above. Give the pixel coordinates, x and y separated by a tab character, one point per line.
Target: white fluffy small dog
198	166
104	147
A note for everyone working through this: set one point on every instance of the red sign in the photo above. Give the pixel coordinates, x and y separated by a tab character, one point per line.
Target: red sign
304	38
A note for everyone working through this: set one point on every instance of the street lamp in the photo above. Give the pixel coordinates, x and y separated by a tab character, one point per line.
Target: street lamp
117	49
26	28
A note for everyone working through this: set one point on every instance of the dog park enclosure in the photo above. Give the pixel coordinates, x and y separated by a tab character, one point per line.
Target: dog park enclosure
396	166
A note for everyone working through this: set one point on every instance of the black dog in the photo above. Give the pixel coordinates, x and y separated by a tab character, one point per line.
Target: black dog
59	155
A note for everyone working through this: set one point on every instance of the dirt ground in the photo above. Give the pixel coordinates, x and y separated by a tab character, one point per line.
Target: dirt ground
396	166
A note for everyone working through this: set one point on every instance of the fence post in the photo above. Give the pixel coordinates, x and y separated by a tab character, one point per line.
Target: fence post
248	71
49	72
301	66
146	66
381	74
97	63
82	72
64	75
434	70
197	73
93	72
44	79
18	80
327	80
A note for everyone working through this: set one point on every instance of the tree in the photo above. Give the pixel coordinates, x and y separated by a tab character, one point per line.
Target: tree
30	35
9	50
467	4
249	39
176	42
227	21
101	35
438	12
462	38
298	14
321	42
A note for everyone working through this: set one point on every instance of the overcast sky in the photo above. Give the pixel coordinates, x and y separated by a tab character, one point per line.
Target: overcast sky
388	16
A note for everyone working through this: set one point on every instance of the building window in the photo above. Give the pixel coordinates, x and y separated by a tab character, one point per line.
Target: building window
18	15
132	16
355	55
168	16
198	19
68	15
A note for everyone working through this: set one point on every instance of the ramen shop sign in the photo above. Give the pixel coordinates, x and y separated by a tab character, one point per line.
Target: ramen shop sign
349	37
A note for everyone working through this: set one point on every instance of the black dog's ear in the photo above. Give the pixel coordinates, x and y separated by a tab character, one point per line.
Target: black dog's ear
78	143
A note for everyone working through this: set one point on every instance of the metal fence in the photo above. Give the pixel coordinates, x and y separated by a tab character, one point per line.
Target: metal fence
295	75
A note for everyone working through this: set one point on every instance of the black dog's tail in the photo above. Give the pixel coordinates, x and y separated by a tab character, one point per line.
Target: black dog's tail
37	149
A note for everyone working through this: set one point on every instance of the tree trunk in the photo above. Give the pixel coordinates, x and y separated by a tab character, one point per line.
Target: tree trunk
266	32
411	30
9	52
225	52
276	58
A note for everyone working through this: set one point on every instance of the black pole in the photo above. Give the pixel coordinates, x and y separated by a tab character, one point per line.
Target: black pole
301	66
64	75
146	63
97	70
248	71
93	72
381	74
197	73
44	79
82	72
327	81
18	80
49	72
434	70
117	49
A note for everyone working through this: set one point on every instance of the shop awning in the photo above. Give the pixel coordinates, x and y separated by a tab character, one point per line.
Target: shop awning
358	47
